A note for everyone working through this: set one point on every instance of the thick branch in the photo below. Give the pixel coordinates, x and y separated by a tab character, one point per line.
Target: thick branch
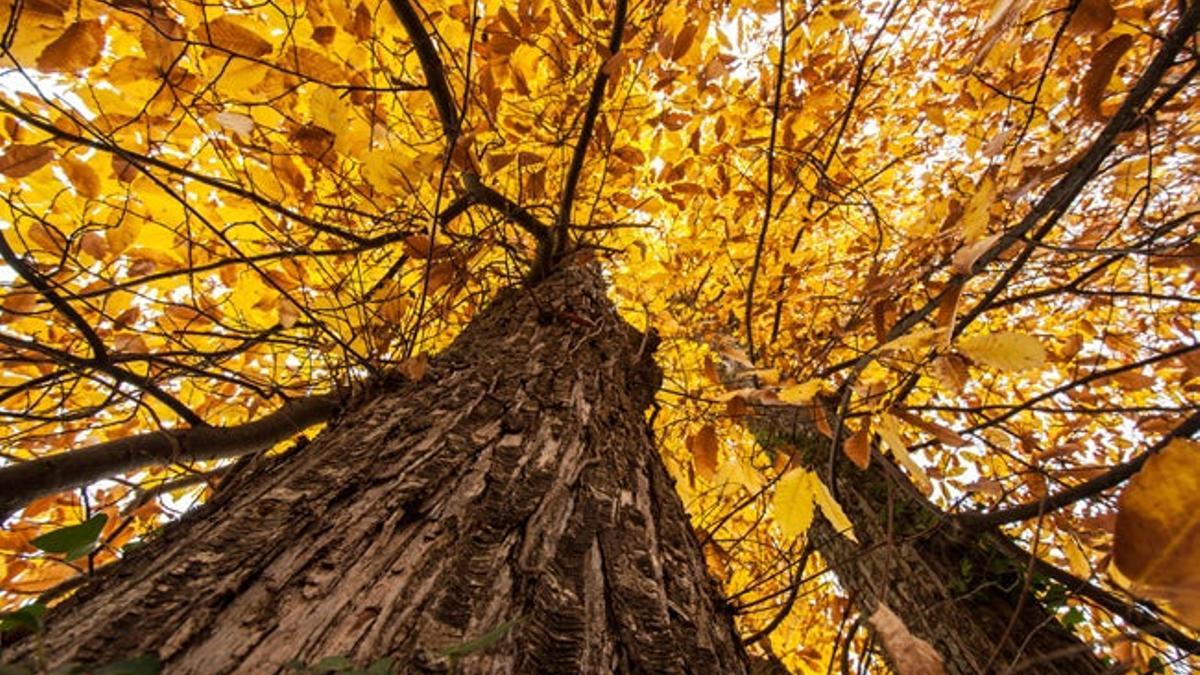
21	483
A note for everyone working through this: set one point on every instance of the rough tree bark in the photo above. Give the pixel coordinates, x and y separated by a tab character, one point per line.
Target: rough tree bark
514	493
950	586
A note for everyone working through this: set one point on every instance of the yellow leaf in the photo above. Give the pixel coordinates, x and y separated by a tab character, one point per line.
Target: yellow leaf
889	431
831	509
1076	558
1005	350
793	502
1156	545
328	110
228	34
123	235
975	217
800	393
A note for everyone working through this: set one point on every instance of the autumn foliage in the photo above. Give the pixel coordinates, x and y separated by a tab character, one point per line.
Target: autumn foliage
967	229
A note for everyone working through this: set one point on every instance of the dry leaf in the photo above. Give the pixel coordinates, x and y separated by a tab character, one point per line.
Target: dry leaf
82	177
1092	16
704	447
21	160
909	654
1100	70
858	447
228	34
79	47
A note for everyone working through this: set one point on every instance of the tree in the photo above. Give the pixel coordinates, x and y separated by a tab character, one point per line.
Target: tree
840	229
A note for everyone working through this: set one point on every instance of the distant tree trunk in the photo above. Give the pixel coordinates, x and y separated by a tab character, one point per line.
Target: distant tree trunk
949	586
507	513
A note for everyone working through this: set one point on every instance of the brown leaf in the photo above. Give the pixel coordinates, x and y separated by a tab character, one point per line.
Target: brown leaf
124	171
82	176
1092	16
79	47
360	25
19	161
910	655
858	447
1100	71
704	446
94	244
324	35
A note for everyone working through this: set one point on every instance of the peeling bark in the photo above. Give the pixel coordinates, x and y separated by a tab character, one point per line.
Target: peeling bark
515	491
950	586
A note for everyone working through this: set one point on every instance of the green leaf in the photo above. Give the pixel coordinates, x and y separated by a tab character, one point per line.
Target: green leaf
482	642
147	664
29	616
74	540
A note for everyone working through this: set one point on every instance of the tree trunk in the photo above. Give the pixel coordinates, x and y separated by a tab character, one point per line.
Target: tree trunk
950	587
507	513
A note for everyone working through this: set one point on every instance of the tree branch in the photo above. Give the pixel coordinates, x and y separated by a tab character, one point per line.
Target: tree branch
22	483
482	194
1132	614
35	279
575	169
431	64
1112	478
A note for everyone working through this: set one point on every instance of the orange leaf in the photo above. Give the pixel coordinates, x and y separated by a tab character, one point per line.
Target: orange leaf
704	447
858	447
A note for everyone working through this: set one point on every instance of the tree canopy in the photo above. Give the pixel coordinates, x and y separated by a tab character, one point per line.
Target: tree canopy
967	225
